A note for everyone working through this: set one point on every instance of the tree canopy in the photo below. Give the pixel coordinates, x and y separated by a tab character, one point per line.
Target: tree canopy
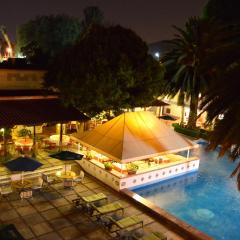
92	15
44	36
41	38
222	100
108	69
226	11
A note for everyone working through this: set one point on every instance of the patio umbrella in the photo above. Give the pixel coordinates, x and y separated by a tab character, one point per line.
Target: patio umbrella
67	156
23	164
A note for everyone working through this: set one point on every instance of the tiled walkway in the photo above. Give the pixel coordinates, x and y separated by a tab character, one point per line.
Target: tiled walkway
51	216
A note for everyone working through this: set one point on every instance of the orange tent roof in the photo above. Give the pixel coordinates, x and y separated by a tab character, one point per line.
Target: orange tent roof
133	136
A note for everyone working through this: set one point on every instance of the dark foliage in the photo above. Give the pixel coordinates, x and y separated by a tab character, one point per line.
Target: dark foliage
108	69
42	38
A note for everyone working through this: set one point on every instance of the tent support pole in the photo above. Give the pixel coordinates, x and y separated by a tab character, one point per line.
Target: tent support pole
188	152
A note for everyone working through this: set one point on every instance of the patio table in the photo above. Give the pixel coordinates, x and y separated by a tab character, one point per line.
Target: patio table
56	138
21	184
66	175
24	142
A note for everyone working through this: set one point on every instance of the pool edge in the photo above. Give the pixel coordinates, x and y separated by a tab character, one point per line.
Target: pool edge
177	225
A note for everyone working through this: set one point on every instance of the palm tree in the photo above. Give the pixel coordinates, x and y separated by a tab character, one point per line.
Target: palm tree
185	62
222	102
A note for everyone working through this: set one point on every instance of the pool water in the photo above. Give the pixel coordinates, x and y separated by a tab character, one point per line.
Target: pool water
207	199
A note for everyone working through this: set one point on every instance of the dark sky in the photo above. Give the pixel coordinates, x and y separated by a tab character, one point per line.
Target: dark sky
151	19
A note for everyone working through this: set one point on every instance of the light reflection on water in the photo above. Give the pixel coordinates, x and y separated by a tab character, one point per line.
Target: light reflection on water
208	199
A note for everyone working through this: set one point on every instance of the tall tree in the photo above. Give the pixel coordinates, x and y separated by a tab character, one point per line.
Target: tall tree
108	69
184	63
222	102
226	11
92	15
42	38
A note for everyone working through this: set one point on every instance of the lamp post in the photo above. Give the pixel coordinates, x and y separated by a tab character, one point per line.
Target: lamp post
4	143
34	141
60	137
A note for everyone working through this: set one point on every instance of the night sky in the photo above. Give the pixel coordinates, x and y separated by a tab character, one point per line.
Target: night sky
151	19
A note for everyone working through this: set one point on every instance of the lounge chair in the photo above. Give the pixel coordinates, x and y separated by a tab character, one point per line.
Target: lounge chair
105	209
81	202
124	223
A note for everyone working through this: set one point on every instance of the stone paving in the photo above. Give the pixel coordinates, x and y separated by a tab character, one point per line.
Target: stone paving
50	215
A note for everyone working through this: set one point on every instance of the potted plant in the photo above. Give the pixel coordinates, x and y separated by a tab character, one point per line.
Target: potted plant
24	132
108	166
88	156
132	168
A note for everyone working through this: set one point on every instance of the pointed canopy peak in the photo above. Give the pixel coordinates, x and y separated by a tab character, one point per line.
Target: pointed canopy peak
134	136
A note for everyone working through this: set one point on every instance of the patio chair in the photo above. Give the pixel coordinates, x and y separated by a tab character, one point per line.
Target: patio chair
50	145
47	180
105	209
37	185
5	191
79	178
26	193
68	183
122	224
82	202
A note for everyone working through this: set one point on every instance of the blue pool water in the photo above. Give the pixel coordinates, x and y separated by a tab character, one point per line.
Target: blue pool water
208	199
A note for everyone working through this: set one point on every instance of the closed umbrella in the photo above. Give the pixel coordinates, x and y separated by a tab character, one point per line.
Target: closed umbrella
23	164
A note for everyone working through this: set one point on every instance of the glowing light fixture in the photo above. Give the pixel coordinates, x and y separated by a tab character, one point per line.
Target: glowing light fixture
157	55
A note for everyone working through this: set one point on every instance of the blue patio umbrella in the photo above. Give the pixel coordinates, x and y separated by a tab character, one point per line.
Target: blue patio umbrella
23	164
67	156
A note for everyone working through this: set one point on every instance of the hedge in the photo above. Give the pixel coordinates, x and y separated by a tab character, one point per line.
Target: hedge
196	133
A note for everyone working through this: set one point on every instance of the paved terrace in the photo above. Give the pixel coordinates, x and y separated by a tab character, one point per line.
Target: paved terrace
50	215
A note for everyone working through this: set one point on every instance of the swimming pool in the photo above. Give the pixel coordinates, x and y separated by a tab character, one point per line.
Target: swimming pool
208	199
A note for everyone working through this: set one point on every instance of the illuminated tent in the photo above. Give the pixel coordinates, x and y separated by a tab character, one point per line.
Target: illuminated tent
134	136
